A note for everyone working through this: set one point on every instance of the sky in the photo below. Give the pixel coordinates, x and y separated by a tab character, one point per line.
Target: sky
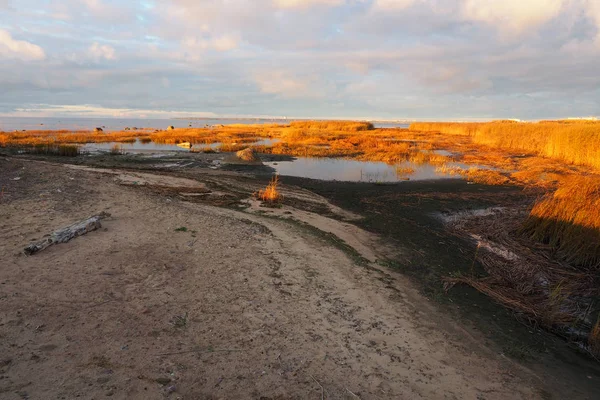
357	59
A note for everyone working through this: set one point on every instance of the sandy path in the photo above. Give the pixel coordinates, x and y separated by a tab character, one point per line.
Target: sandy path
265	309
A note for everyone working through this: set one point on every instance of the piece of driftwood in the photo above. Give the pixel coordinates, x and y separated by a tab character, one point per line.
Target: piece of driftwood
68	233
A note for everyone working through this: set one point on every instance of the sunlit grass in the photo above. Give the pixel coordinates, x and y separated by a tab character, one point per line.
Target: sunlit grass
345	126
270	194
63	150
576	142
569	220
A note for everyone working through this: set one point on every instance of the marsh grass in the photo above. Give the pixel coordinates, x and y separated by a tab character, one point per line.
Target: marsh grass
568	216
569	220
576	142
62	150
343	126
116	149
270	194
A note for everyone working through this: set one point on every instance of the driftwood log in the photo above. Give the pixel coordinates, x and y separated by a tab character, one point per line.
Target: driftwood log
68	233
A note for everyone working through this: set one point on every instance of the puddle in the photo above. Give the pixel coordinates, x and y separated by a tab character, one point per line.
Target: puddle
360	171
136	147
265	142
141	147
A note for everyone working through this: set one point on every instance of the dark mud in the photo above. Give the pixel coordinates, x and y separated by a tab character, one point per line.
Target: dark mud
405	214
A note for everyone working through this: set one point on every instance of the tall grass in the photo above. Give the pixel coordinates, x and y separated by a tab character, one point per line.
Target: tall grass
569	220
344	126
30	138
62	150
575	142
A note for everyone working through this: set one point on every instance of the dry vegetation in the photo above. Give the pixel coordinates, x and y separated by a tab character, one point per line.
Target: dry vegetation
564	159
270	194
575	142
569	220
555	286
344	126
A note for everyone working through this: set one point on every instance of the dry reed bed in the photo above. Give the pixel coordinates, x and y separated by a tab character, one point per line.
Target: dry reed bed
563	159
530	280
576	142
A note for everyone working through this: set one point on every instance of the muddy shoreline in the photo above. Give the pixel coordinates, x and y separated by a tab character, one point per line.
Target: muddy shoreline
405	215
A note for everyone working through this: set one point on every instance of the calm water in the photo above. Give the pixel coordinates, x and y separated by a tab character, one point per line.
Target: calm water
115	124
358	171
8	124
139	147
316	168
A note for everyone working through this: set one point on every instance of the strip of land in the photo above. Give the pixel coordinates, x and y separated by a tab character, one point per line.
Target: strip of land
193	288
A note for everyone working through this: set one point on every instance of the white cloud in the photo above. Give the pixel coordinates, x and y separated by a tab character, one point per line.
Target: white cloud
393	5
102	10
98	52
88	110
224	43
513	17
193	44
295	4
593	13
283	83
20	49
294	56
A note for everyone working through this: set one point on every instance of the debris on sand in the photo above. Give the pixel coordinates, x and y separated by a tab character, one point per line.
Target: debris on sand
247	155
68	233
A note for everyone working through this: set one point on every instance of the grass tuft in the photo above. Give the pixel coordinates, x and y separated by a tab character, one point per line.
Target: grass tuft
270	194
62	150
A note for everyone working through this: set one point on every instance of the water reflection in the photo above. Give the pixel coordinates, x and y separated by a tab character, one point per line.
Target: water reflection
359	171
151	147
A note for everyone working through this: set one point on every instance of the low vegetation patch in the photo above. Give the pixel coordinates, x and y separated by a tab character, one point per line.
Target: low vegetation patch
344	126
270	194
62	150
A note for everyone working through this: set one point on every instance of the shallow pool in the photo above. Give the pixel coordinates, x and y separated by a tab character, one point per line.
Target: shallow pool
141	147
360	171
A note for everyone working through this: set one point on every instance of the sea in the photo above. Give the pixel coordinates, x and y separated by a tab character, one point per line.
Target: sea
11	124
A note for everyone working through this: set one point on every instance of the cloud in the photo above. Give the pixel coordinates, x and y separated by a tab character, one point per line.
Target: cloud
299	4
221	43
97	52
89	110
393	5
513	17
593	13
20	49
282	83
378	58
103	10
